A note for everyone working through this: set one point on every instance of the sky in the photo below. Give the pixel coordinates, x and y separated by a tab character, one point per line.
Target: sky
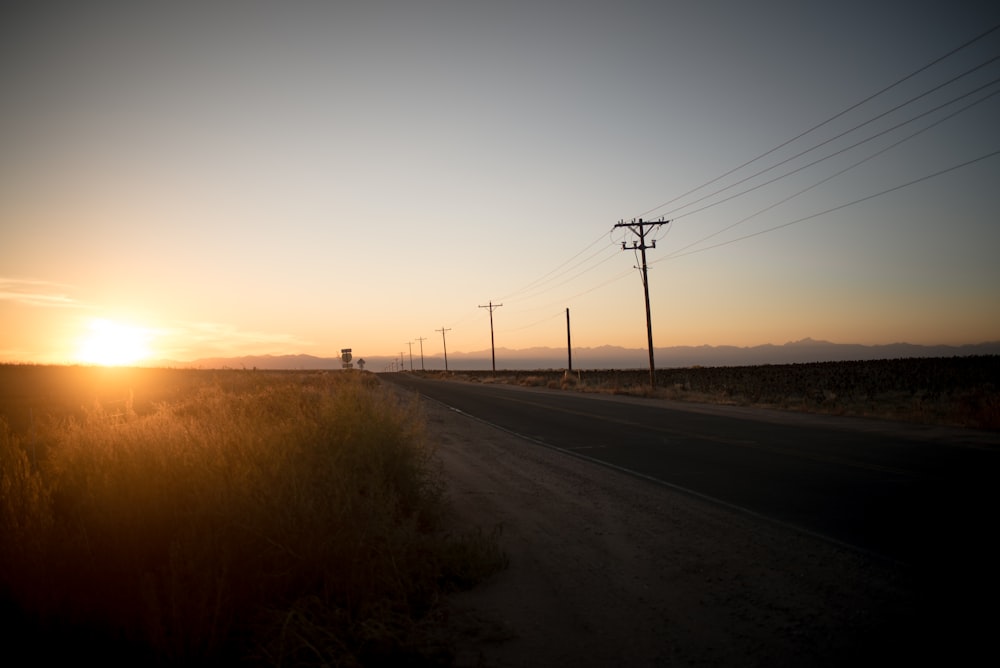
187	180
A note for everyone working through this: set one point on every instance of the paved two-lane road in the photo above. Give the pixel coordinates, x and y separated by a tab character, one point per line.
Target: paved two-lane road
918	495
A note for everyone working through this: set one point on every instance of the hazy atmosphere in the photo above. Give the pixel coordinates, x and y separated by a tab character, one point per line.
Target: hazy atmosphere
236	178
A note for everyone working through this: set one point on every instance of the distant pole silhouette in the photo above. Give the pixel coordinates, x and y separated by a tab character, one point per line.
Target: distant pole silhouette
410	343
445	343
421	339
569	344
493	351
639	228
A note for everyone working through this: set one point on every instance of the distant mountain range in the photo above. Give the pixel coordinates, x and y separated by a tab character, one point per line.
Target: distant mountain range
611	357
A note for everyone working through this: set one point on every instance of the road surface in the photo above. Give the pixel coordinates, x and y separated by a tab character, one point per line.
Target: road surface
874	485
646	566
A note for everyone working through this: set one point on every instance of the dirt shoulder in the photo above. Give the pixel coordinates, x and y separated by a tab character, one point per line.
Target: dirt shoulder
608	569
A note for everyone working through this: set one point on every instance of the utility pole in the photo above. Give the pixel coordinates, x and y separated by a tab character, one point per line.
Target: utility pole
639	228
445	343
569	344
410	343
492	307
421	339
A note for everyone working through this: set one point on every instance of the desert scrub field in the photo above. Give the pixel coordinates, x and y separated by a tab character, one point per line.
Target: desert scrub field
954	391
243	517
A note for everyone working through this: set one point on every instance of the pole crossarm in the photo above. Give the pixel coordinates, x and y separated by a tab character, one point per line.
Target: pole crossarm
639	228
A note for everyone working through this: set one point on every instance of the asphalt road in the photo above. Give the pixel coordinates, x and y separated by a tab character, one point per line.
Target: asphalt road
917	495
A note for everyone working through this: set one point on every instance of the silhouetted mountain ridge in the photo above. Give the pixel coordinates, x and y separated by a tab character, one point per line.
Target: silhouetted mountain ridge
612	357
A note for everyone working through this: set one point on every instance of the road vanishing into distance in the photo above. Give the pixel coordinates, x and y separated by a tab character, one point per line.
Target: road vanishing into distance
918	495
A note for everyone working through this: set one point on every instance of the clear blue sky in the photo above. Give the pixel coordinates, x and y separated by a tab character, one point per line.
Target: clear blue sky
264	177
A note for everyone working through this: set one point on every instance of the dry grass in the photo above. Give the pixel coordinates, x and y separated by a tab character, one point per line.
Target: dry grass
270	519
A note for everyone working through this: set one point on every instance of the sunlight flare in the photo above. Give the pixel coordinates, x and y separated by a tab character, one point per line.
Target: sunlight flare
110	343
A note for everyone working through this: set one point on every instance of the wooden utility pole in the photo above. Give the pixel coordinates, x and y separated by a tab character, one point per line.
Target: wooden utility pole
421	339
639	228
445	343
492	307
569	344
410	344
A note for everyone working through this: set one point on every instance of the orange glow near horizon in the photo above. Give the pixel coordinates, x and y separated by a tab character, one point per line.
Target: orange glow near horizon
110	343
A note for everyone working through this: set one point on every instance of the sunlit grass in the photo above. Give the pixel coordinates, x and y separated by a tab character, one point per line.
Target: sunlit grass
279	519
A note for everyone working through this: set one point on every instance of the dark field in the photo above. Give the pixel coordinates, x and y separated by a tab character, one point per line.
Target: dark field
956	391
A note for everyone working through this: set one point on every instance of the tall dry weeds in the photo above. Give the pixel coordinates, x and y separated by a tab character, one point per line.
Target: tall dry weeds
282	519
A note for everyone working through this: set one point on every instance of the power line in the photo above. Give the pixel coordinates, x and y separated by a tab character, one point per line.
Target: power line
860	143
675	214
569	299
680	251
836	208
534	324
576	266
542	279
542	285
562	269
827	121
613	279
575	276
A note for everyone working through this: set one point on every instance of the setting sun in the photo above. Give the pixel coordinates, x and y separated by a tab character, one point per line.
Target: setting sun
112	344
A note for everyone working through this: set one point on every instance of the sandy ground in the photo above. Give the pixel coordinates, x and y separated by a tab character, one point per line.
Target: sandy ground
610	569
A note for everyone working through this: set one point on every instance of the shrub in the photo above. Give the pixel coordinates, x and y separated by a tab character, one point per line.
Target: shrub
532	381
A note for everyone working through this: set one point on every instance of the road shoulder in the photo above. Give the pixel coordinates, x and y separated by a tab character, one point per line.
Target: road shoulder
609	569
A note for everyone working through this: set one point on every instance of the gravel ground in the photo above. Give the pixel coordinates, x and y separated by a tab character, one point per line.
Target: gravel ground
610	569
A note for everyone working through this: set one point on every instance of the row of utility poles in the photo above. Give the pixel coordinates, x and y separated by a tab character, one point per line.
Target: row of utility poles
492	307
410	344
642	229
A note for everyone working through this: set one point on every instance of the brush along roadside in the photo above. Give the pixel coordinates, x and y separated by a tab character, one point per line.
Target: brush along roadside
959	391
269	519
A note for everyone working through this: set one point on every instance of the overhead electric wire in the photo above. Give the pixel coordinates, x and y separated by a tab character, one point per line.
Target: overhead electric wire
859	143
544	283
534	288
836	208
554	274
542	279
569	299
680	251
827	121
674	212
529	326
574	276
